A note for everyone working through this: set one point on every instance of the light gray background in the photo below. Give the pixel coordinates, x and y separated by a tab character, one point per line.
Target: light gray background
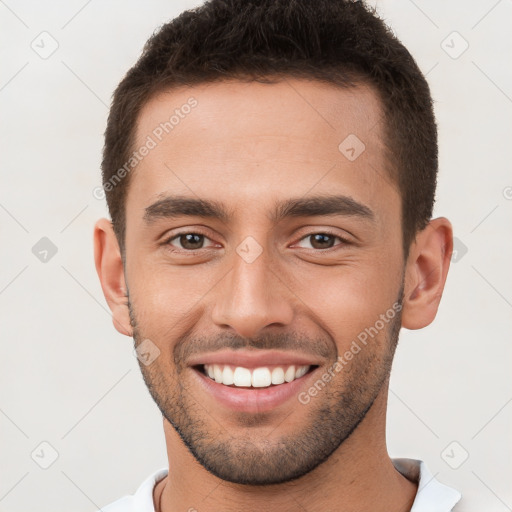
69	379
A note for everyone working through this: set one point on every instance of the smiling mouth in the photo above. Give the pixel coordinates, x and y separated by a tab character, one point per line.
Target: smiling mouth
261	377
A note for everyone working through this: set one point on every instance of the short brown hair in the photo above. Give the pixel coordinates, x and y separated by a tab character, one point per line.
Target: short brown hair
340	42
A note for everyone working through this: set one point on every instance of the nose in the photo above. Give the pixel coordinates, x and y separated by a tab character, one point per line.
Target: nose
251	297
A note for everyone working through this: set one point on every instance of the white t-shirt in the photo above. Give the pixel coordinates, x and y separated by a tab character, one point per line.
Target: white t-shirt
432	495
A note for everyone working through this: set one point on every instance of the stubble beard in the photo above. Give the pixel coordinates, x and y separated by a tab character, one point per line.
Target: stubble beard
331	418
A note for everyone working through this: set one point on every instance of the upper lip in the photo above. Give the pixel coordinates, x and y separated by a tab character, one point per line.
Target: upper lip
254	359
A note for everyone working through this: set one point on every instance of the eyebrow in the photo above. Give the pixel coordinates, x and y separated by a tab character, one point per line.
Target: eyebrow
179	206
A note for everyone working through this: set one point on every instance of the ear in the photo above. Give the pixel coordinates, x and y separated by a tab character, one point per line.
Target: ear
109	266
425	275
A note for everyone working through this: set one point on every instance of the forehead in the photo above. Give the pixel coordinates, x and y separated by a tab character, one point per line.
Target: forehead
249	143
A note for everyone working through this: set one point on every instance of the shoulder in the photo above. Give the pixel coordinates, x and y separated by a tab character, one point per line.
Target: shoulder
124	504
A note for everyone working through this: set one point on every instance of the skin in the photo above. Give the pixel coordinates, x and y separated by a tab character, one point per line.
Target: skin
248	146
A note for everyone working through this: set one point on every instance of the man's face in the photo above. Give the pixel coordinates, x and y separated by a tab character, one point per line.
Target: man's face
277	281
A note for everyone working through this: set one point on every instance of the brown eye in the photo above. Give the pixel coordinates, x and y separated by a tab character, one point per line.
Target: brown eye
191	241
188	241
321	241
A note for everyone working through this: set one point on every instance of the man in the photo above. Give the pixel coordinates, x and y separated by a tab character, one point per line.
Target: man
270	170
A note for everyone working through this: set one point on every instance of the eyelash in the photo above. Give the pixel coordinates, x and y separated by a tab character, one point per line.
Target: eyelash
175	236
343	240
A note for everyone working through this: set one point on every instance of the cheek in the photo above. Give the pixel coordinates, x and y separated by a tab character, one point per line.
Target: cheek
165	298
351	300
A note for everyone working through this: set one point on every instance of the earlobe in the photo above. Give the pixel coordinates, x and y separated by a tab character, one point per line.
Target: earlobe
109	266
425	276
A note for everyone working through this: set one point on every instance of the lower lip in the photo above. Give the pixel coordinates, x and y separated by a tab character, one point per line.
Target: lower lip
252	400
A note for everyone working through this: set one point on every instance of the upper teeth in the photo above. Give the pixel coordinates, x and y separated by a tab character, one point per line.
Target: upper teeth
257	378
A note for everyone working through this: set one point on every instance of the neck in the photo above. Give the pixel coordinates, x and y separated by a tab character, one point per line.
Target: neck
358	476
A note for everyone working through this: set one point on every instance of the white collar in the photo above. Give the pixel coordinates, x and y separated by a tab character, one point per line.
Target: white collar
432	495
